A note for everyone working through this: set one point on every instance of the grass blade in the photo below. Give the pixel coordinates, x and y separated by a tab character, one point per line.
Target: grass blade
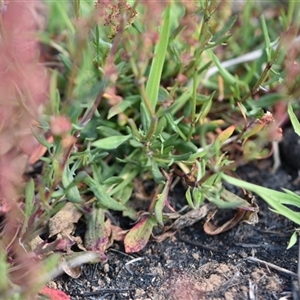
153	83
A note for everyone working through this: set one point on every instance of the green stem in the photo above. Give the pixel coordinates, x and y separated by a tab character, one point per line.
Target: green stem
263	76
204	37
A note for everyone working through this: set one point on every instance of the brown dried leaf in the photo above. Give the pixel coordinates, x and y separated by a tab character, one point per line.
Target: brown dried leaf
64	220
193	216
251	217
210	228
73	272
160	238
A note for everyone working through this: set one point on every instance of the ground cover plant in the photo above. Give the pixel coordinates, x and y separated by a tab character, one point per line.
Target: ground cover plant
106	106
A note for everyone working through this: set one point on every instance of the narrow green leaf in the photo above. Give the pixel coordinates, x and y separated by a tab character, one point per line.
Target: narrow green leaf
161	201
145	117
69	184
153	83
230	79
273	198
66	61
189	199
225	28
108	131
29	202
104	200
111	142
157	175
118	108
125	194
170	140
54	97
222	40
294	119
113	180
206	106
198	197
29	197
41	139
266	36
293	240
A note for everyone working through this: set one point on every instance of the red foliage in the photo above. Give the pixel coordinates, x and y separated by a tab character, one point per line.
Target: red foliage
54	294
23	91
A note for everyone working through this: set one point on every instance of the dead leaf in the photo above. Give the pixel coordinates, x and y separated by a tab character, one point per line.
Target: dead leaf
160	238
193	216
64	220
64	242
73	272
251	217
116	232
211	229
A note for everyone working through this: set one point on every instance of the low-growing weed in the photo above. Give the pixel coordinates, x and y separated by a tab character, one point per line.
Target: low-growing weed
127	94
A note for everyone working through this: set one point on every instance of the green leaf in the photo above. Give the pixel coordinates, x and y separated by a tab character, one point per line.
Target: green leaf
161	201
198	197
273	198
157	175
29	197
163	95
225	28
96	238
108	131
266	36
41	139
293	240
153	83
104	200
138	236
124	194
113	180
225	199
111	142
118	108
188	197
145	117
170	140
294	119
230	79
29	202
69	184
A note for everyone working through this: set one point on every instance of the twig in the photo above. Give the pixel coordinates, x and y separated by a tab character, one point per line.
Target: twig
252	290
131	262
253	259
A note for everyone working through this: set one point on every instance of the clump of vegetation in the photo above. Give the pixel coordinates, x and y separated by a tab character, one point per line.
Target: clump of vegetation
123	94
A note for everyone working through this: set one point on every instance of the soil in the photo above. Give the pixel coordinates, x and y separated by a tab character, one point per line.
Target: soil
193	265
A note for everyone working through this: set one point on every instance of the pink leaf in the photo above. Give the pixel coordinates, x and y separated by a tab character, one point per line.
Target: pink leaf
53	294
138	236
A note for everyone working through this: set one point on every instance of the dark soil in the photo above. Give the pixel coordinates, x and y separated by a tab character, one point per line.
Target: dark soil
193	265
